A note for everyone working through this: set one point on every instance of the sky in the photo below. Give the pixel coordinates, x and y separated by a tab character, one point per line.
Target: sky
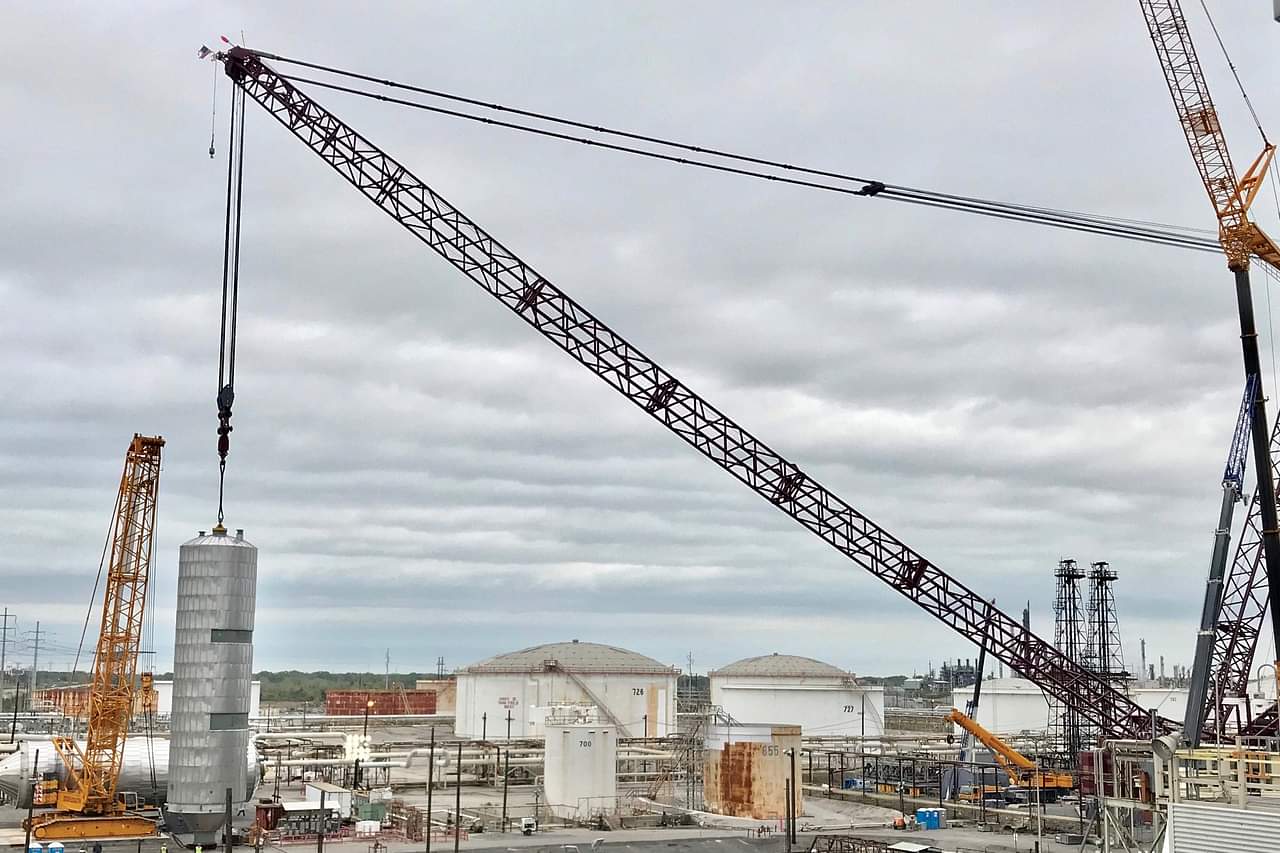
427	477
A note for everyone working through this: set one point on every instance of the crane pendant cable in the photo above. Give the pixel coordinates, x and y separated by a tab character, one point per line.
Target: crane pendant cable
230	288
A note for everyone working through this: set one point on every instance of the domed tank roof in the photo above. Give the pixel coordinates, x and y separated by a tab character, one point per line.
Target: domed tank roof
781	666
573	655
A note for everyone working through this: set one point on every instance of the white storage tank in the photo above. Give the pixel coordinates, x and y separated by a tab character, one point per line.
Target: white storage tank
1008	706
823	699
634	693
212	671
143	760
580	775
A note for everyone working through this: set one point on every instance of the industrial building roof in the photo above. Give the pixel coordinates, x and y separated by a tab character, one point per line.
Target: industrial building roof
782	666
575	656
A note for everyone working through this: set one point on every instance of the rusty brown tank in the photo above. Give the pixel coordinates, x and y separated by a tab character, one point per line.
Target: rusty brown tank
747	767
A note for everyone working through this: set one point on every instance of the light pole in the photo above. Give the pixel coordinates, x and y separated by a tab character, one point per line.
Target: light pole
1039	780
431	784
457	803
793	799
364	737
506	776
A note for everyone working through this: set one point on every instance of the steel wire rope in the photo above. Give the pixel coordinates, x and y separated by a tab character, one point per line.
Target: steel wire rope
230	284
993	209
1257	122
102	561
702	149
1274	275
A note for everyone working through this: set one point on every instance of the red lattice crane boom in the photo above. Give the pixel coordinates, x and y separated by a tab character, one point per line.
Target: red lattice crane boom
539	303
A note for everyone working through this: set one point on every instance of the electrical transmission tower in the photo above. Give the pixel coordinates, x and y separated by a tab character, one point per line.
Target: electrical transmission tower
1069	636
1103	654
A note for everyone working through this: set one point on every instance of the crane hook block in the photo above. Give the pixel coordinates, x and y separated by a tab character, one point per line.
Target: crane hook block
225	398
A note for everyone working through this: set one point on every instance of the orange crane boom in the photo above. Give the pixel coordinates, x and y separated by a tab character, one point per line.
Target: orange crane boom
1016	766
1231	198
88	805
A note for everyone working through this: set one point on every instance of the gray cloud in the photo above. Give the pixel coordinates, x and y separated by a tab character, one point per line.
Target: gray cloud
423	473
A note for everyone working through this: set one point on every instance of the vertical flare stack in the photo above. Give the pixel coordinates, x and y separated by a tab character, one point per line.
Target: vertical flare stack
212	672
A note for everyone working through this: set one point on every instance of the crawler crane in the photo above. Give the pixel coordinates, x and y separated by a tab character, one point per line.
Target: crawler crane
88	804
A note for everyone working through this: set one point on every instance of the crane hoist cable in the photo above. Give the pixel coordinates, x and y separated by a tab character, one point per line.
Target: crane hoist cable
1132	229
230	288
1257	122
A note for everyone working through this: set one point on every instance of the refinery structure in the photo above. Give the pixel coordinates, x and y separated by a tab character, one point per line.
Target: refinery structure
1068	739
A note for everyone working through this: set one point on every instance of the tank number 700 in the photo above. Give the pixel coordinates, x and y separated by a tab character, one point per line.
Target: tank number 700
585	744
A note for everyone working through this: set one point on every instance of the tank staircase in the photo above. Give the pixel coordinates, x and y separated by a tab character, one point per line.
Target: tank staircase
601	705
686	768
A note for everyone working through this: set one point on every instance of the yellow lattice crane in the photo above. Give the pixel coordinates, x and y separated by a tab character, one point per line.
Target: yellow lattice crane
1241	238
88	803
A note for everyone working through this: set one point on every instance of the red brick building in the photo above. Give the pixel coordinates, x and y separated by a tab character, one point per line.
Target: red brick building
352	703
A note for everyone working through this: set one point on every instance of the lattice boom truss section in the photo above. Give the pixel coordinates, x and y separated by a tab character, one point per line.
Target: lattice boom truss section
542	305
94	772
1244	604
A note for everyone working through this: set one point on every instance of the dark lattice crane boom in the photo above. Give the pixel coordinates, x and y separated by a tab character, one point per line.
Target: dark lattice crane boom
538	302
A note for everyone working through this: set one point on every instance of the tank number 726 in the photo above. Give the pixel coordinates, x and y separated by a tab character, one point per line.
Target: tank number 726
637	691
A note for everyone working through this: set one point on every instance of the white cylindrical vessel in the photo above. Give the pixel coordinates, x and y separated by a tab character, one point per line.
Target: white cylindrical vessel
144	768
581	769
212	671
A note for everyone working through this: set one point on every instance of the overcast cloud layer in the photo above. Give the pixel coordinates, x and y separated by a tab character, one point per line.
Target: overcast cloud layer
424	473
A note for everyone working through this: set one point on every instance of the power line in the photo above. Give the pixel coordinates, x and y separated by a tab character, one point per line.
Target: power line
1132	229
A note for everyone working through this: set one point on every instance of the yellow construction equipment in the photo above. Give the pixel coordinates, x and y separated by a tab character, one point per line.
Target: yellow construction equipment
1020	769
88	804
1231	198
